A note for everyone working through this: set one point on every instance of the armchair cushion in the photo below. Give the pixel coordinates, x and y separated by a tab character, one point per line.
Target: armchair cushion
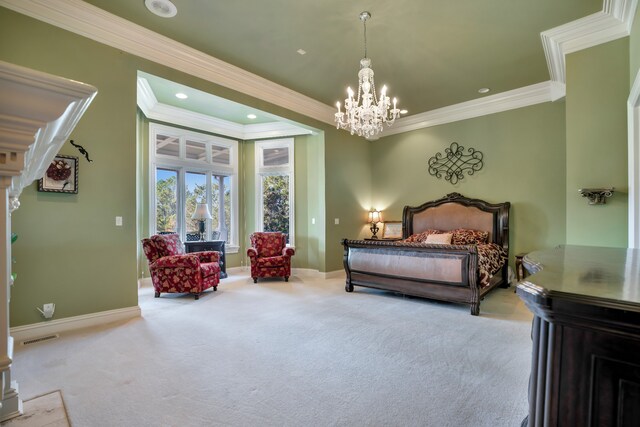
210	269
272	261
178	261
268	244
168	244
208	256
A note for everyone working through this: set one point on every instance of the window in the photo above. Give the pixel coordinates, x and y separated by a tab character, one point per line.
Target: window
167	200
274	187
190	168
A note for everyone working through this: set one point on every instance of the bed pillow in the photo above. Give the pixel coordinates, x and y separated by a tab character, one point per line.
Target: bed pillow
421	237
462	236
440	239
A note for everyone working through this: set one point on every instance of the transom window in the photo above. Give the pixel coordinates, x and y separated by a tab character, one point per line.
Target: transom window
275	187
190	168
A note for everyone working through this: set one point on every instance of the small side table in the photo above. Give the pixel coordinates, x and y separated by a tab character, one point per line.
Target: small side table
209	245
521	272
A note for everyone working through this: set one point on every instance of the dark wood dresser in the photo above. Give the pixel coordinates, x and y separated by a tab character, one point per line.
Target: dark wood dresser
209	245
585	368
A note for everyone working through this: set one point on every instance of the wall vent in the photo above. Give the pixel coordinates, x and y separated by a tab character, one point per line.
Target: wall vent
40	339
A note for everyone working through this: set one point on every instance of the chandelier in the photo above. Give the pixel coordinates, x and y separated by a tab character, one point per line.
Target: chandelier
366	114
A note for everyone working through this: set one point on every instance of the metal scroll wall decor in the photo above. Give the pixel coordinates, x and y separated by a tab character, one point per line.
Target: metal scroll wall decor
454	163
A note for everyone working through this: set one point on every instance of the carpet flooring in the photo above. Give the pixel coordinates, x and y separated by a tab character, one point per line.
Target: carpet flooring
303	353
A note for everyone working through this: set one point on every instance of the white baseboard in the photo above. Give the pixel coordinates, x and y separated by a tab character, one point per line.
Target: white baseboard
145	282
237	270
334	274
36	330
304	272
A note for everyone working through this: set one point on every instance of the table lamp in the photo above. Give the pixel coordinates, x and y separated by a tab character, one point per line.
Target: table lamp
374	218
201	214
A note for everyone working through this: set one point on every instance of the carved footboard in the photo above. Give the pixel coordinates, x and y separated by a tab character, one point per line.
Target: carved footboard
443	272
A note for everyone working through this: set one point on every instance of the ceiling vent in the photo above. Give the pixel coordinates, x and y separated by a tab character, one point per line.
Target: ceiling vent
163	8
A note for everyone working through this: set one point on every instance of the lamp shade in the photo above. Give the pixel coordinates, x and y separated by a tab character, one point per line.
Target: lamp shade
202	212
375	217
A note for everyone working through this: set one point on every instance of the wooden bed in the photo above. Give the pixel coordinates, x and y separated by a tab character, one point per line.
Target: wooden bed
442	272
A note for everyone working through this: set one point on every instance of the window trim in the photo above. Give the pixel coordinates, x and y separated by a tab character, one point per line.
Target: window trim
262	171
183	165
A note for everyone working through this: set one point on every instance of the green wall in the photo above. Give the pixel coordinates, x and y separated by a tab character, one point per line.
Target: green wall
524	161
597	92
70	252
634	47
348	191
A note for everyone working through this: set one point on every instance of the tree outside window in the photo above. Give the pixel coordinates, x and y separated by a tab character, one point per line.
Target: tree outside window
166	201
275	209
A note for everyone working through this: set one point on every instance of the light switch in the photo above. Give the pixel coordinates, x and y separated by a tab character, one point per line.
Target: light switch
313	220
119	221
336	221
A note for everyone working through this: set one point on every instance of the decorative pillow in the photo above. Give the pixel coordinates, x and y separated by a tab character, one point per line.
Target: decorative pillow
462	236
440	239
421	237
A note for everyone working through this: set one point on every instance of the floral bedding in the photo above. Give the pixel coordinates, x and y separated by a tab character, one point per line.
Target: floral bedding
491	256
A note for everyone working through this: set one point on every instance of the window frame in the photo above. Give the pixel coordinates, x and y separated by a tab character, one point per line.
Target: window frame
283	170
183	166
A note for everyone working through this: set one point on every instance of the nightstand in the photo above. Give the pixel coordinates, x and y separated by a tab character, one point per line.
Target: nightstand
520	270
209	245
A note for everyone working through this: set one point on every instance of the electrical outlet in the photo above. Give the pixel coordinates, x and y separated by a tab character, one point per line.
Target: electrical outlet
119	221
47	310
336	221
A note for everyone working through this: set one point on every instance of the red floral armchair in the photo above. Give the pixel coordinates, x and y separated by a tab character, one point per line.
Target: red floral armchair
269	256
174	271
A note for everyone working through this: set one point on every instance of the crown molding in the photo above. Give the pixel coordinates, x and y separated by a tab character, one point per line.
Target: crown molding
273	130
146	99
155	110
94	23
517	98
612	23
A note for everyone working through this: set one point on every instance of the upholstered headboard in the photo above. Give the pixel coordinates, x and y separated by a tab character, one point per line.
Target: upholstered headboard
456	211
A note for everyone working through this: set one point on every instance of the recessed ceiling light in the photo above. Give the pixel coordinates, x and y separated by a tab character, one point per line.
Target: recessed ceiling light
181	95
301	51
404	111
251	116
162	8
484	90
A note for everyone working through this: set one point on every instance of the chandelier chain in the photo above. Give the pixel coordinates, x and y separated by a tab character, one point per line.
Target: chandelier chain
366	113
364	22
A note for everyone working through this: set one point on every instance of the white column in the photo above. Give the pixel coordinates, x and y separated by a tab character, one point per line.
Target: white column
11	405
